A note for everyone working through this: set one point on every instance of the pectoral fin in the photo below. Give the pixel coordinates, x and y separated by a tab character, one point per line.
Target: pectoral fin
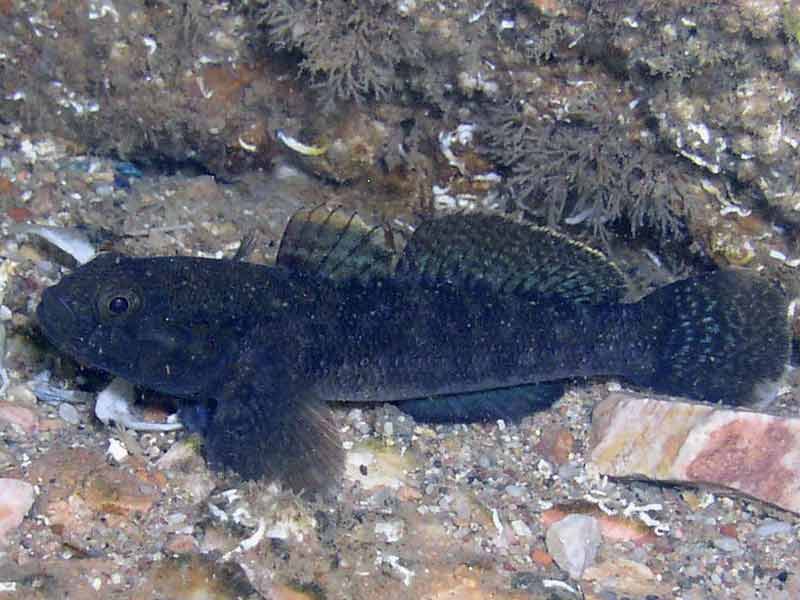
272	436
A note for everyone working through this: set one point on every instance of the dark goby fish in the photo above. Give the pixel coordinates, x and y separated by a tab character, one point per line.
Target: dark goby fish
478	318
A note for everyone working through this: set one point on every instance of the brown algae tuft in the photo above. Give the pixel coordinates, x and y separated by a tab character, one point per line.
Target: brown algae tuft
353	50
584	169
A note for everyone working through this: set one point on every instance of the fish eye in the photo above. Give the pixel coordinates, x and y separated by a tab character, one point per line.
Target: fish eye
117	303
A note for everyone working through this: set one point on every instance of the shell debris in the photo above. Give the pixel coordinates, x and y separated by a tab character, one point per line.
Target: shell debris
298	146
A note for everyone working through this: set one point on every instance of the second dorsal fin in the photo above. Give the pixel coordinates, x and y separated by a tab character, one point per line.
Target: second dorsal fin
335	245
509	257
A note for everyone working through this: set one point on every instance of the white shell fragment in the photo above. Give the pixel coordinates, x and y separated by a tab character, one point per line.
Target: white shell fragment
246	146
117	450
72	241
463	135
114	405
299	146
151	44
248	543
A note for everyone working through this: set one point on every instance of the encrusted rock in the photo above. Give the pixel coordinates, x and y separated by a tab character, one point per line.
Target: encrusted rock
745	452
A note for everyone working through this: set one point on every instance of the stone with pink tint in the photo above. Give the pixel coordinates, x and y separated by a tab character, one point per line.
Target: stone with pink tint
18	416
748	453
16	499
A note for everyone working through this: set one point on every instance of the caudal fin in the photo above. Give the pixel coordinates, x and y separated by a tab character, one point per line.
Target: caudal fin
722	337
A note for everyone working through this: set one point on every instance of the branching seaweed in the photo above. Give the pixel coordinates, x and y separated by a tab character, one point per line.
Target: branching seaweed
353	50
584	169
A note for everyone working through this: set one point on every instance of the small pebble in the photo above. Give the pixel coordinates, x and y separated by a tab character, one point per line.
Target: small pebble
520	528
6	458
179	453
20	417
22	395
461	506
69	413
104	190
727	544
515	491
355	415
198	484
392	531
16	499
573	542
567	471
772	527
175	519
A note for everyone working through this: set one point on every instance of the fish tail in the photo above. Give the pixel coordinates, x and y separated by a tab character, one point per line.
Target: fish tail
722	337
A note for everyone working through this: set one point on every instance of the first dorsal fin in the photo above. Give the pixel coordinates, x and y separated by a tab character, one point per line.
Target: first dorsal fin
509	257
335	245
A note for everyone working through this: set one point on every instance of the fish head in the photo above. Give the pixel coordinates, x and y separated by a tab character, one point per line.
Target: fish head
152	321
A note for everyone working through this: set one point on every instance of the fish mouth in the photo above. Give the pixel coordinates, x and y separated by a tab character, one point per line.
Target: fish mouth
56	318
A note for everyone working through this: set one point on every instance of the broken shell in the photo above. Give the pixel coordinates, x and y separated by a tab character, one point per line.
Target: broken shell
299	146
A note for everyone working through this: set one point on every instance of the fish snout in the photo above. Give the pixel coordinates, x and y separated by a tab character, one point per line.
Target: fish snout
54	313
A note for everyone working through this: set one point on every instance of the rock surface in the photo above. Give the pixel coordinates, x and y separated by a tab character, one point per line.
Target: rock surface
744	452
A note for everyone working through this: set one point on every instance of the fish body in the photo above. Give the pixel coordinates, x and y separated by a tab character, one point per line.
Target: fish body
446	328
389	343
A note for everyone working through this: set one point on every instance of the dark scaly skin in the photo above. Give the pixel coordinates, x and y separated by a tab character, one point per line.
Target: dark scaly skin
443	340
